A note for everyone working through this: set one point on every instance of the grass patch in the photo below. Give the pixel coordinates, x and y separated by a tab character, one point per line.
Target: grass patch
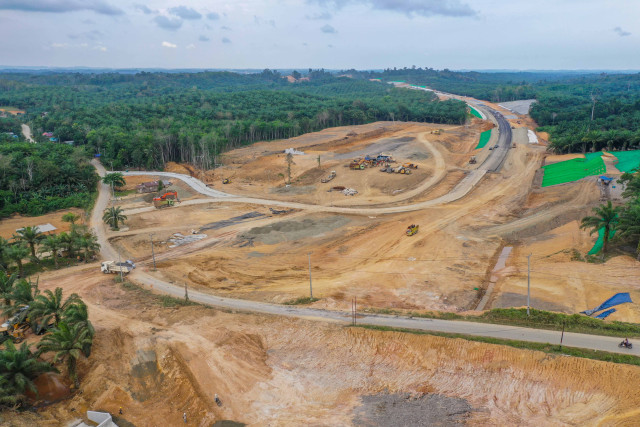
302	300
162	300
125	192
539	319
546	348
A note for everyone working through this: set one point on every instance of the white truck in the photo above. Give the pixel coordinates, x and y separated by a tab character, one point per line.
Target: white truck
116	267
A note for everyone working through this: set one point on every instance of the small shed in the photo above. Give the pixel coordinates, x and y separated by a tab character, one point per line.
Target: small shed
43	228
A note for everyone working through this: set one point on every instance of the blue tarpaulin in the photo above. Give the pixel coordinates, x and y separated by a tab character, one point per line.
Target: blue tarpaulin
605	313
619	298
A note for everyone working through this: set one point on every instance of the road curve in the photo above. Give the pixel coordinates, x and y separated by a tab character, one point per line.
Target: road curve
155	283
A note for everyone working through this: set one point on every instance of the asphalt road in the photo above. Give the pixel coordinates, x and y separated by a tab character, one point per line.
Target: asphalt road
493	163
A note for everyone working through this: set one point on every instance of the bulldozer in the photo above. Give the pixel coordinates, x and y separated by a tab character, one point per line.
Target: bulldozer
412	229
166	200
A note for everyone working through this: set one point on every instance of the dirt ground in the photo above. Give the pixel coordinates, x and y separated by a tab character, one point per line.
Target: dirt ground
159	362
8	226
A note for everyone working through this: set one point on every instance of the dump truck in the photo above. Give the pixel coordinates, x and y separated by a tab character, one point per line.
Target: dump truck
166	200
329	177
112	267
412	229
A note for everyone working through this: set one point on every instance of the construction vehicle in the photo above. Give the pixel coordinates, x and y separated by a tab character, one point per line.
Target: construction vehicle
472	160
410	166
357	164
384	157
16	326
412	229
513	145
436	132
329	177
226	181
112	267
167	199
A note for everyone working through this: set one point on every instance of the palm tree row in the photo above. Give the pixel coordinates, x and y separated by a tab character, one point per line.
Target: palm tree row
623	220
28	242
70	339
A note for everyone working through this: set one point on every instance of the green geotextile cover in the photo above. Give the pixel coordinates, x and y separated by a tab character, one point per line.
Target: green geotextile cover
484	138
590	156
572	170
598	246
627	160
475	112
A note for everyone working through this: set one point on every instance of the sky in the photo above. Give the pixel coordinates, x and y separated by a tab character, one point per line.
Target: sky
331	34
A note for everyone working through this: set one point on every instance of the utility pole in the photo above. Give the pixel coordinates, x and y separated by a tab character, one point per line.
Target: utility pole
120	266
310	284
153	255
186	292
528	283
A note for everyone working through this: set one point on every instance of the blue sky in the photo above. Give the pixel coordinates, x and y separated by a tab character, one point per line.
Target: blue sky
336	34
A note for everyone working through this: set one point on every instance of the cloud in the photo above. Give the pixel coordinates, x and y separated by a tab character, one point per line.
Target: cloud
319	16
59	45
622	33
167	23
61	6
409	7
204	38
88	22
224	27
191	46
328	29
169	45
213	16
226	40
90	35
100	48
185	12
145	9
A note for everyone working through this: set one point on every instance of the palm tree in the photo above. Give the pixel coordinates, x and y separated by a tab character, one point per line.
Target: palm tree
20	367
4	245
70	217
629	225
68	342
116	179
68	243
8	396
31	236
90	245
77	313
49	304
606	216
24	293
6	287
114	215
52	244
16	253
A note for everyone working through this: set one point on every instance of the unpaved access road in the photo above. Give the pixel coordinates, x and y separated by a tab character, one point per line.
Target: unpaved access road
26	131
157	284
492	163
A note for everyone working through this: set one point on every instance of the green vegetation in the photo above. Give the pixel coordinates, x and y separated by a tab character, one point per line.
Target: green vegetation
115	179
301	300
538	319
113	216
70	338
147	119
484	138
58	249
39	178
546	348
572	170
605	218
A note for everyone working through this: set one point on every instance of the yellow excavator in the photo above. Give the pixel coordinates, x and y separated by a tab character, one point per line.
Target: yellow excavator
412	229
226	181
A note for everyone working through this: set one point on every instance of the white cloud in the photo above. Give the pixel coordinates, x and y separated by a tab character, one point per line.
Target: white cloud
328	29
169	45
191	46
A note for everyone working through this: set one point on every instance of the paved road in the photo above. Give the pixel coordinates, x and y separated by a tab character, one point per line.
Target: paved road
157	284
492	163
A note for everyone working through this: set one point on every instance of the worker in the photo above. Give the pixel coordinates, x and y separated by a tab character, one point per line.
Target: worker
184	417
120	410
217	399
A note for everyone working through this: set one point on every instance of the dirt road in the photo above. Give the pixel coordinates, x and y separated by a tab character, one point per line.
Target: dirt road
26	131
480	329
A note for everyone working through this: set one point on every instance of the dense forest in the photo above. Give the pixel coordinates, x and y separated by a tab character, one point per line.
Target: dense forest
147	119
39	178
